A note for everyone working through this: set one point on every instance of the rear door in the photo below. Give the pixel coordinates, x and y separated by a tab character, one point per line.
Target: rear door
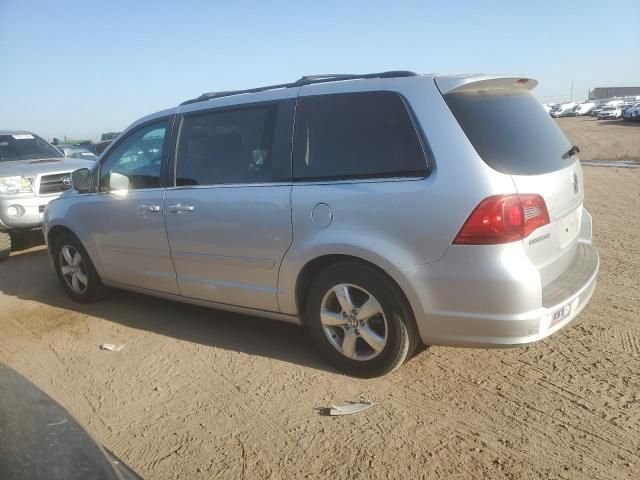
229	213
513	134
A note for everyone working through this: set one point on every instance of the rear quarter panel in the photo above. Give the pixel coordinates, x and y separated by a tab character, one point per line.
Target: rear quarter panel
393	223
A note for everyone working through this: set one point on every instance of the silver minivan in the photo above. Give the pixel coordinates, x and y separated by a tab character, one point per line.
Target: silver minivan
383	211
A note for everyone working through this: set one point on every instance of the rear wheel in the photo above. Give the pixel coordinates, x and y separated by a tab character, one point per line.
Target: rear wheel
360	320
76	271
5	245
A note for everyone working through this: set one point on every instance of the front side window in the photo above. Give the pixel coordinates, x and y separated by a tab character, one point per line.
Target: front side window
355	135
136	161
227	146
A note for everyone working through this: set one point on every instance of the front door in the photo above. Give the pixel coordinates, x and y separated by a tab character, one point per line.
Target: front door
128	228
229	214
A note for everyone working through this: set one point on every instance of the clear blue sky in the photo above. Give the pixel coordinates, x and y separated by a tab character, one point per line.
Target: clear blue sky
79	68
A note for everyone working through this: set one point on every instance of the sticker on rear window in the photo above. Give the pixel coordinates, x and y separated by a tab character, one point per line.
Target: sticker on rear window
23	136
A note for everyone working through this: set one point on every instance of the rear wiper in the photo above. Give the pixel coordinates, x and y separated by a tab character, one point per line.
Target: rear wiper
571	152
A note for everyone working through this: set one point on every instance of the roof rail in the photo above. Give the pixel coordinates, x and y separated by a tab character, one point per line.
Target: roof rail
306	80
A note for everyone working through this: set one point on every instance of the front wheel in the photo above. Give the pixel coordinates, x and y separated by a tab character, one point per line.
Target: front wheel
360	320
76	271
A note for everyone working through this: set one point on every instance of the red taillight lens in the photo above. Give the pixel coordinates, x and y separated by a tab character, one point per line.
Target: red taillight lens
535	213
503	219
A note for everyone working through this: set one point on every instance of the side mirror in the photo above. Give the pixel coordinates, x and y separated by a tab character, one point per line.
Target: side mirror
117	181
81	180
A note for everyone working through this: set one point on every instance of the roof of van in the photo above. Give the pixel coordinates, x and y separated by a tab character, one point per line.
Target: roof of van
306	80
446	83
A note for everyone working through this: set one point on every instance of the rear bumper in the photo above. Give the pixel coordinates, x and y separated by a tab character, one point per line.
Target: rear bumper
488	298
563	300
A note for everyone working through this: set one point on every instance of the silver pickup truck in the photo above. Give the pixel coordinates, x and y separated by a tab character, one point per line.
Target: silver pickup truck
32	173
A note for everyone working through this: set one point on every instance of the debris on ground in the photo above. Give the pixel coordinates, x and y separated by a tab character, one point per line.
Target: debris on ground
111	347
348	408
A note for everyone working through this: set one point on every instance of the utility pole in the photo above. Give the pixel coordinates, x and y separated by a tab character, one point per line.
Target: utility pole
571	98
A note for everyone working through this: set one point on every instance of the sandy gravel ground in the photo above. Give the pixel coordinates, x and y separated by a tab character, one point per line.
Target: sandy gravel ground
198	393
603	139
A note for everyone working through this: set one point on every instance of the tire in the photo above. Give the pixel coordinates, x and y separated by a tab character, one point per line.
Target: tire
87	286
5	245
360	343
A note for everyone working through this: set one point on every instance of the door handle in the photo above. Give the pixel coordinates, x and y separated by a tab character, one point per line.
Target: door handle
148	208
180	207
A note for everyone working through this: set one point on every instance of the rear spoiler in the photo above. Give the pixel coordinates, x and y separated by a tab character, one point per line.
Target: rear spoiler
477	83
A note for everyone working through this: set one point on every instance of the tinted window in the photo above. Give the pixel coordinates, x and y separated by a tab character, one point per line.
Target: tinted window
355	135
511	131
138	157
25	146
227	146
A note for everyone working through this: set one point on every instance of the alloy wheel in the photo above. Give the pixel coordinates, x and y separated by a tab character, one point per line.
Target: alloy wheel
354	322
73	269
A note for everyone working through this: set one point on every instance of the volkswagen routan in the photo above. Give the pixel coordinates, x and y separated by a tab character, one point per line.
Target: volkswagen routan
383	211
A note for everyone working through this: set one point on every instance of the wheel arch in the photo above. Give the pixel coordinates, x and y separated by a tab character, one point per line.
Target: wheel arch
314	266
54	233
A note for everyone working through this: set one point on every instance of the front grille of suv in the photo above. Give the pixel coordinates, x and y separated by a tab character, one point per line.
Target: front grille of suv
55	183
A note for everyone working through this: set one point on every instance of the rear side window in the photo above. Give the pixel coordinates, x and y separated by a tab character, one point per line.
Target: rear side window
230	146
511	131
355	135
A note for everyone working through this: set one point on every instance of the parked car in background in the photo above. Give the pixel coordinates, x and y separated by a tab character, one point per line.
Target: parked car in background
632	113
564	110
32	173
597	109
553	108
584	108
610	113
549	107
102	146
212	203
74	151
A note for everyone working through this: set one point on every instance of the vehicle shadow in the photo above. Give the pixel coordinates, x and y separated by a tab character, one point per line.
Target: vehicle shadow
25	240
619	123
29	276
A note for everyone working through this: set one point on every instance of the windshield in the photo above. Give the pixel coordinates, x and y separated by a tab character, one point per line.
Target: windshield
510	131
25	146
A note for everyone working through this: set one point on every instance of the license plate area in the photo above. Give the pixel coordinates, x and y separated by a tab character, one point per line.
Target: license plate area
560	314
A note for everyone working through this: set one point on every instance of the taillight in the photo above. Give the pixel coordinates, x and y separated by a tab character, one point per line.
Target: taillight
503	219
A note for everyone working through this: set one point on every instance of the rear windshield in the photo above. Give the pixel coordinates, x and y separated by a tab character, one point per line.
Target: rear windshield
25	146
511	131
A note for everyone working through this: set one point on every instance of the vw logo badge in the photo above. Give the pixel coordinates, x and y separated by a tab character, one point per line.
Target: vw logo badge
575	182
67	181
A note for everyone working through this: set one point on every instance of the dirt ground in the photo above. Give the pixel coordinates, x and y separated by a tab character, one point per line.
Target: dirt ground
198	393
603	139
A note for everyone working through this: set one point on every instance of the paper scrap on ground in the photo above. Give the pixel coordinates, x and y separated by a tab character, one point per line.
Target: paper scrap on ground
111	347
351	407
